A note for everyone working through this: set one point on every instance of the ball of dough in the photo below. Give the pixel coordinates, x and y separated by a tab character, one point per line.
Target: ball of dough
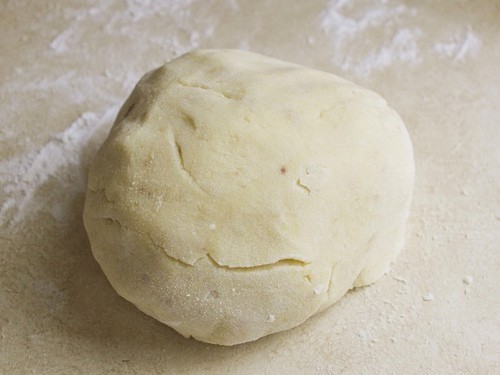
238	195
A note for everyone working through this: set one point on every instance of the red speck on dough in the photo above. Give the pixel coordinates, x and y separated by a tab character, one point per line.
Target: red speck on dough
283	170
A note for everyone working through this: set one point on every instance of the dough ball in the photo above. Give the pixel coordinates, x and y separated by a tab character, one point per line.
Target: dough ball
238	195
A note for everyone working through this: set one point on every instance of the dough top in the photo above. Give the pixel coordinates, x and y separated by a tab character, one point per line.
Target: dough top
256	156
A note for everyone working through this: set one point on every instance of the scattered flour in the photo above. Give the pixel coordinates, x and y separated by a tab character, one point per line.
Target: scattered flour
459	46
351	34
126	19
61	162
468	280
427	297
372	37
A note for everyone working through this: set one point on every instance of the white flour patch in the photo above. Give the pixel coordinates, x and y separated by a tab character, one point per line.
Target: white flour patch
375	36
59	165
140	9
427	297
60	43
126	20
356	41
459	46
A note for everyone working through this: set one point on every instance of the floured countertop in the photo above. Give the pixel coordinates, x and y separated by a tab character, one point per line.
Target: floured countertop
65	69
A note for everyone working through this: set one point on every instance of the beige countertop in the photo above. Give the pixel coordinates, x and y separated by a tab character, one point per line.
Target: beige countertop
67	66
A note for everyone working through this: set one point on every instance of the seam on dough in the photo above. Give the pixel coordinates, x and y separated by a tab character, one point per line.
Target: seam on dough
109	220
189	120
103	192
185	264
303	187
278	263
180	158
261	267
281	262
330	280
129	109
326	298
114	220
150	237
200	86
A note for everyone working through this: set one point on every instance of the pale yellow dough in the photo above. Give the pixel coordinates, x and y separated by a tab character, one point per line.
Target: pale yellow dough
238	195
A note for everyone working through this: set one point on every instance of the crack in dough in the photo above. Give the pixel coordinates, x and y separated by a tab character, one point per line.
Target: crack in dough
261	267
290	262
223	93
330	282
102	191
177	147
304	188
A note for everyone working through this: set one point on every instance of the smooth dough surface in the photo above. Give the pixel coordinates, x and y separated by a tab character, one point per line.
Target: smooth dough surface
238	195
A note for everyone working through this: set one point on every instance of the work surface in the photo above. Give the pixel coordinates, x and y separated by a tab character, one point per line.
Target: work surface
65	70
